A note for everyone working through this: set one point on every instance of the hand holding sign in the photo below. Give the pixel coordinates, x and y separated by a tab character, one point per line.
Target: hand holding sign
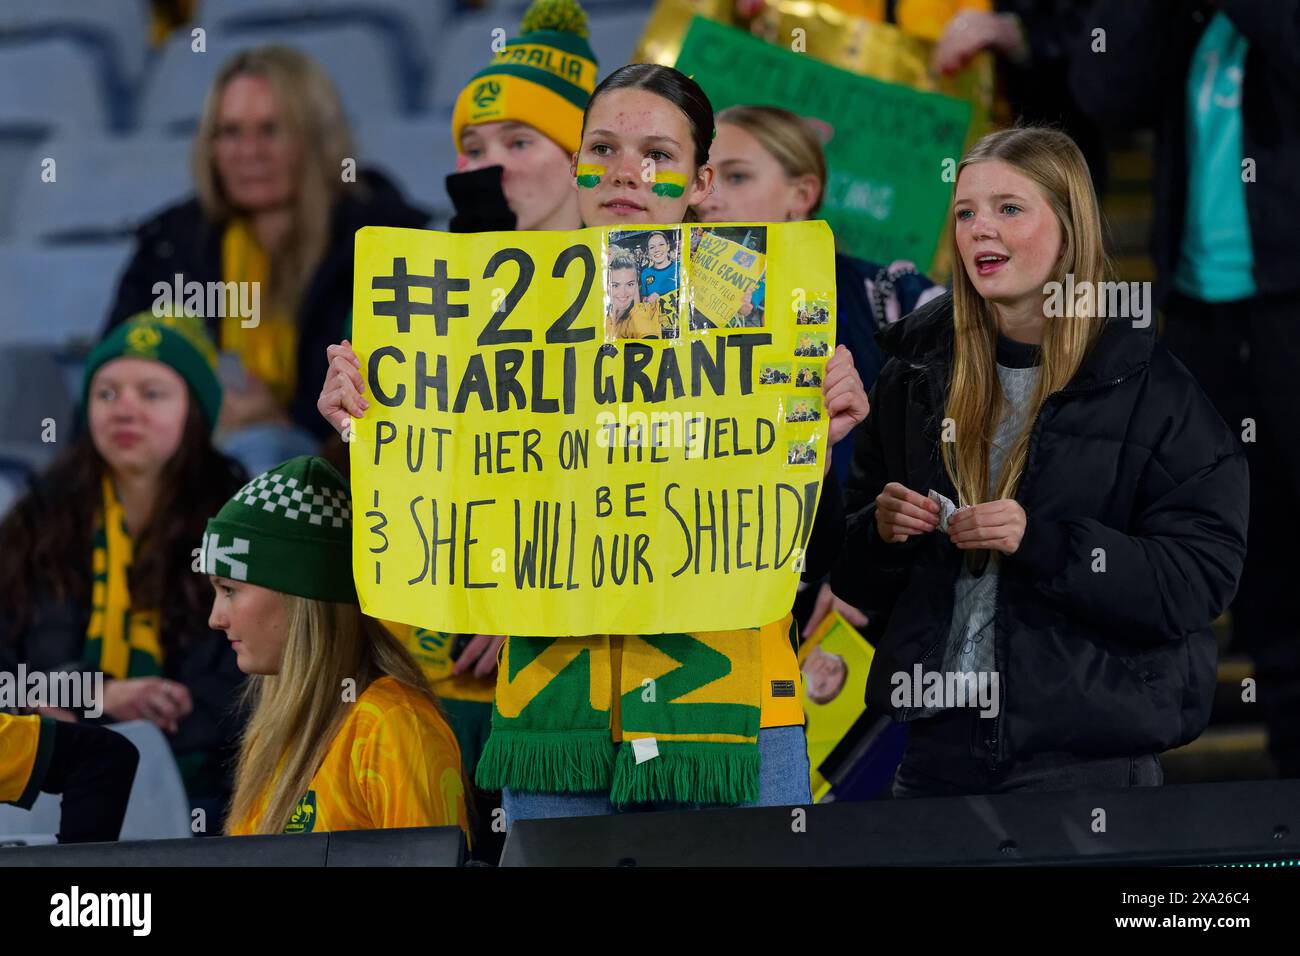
846	399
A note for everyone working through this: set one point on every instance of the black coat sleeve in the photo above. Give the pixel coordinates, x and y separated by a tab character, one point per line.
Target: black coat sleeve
1176	567
827	537
93	768
871	572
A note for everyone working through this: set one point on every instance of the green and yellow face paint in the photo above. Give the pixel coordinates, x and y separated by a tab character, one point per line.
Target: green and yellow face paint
590	175
668	184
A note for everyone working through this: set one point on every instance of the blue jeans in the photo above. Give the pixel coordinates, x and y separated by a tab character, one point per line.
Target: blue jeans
783	780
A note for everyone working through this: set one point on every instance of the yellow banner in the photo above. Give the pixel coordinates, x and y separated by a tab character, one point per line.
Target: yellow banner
549	452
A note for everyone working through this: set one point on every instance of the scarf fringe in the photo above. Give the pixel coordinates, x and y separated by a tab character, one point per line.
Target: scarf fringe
563	762
687	773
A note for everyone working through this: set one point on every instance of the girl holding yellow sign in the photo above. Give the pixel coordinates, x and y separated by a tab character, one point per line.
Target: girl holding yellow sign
588	738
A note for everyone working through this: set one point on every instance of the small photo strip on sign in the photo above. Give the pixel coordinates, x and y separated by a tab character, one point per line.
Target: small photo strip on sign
642	283
817	312
809	374
802	451
728	277
774	373
812	345
803	409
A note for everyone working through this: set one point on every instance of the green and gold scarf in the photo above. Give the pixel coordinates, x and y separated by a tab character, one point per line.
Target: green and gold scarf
120	641
686	707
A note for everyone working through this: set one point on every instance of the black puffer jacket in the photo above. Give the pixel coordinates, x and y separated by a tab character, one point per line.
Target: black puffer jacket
180	239
1130	463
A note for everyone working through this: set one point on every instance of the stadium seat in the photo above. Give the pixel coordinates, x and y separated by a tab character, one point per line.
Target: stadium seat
416	153
465	49
355	58
58	295
50	83
105	186
410	28
115	36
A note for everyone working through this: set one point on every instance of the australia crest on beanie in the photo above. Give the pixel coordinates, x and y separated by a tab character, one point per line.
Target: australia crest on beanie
289	530
543	77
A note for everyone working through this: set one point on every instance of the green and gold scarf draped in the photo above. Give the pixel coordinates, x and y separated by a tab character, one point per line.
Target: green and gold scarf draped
686	707
120	641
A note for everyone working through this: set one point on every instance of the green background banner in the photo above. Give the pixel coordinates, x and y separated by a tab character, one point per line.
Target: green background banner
886	196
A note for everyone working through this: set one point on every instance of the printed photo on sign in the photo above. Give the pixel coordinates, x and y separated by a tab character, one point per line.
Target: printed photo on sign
814	313
642	278
808	376
804	410
728	273
774	373
801	452
824	676
812	344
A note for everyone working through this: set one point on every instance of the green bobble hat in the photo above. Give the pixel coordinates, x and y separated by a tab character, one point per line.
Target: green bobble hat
177	341
289	530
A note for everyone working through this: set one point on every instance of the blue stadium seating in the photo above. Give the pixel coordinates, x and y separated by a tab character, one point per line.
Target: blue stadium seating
50	83
417	153
113	36
105	186
55	295
354	56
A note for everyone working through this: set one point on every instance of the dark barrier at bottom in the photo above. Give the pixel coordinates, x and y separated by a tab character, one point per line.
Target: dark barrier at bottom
416	846
1188	824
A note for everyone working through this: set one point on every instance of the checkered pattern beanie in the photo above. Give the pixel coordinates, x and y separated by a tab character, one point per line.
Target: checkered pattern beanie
289	530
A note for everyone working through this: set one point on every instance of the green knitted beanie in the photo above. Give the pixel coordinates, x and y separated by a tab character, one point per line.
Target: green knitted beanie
289	530
177	341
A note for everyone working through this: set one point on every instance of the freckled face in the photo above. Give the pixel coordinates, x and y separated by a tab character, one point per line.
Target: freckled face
1007	233
636	134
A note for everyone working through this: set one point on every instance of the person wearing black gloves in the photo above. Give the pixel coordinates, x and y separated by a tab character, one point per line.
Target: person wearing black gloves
1054	631
92	767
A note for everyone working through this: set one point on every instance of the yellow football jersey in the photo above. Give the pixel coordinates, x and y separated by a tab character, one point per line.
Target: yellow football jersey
25	747
393	763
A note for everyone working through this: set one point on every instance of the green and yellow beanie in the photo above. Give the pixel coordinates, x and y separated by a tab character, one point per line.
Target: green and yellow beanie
177	341
543	77
289	530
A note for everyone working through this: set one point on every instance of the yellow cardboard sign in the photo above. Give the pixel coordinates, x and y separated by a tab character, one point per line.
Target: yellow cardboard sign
835	660
522	469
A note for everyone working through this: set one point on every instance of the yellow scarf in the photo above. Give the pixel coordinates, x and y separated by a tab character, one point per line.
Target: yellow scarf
268	350
120	641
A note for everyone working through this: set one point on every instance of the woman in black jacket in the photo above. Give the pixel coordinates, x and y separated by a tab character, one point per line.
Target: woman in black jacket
1053	633
278	204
